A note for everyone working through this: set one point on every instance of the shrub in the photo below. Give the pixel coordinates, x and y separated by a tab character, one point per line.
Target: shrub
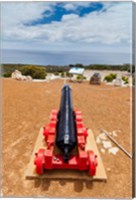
81	77
62	74
78	77
125	79
68	74
7	74
34	72
114	76
110	77
56	73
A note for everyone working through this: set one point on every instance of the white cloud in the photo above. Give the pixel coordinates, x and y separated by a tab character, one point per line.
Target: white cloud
104	28
70	17
74	5
15	14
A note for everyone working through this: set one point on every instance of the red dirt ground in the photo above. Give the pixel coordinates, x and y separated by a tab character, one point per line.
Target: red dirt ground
27	106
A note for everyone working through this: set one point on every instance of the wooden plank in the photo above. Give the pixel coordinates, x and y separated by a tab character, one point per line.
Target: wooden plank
91	145
66	174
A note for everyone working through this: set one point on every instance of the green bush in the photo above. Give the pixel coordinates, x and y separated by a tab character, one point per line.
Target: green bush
7	74
78	77
125	79
34	71
62	74
68	74
110	77
56	73
81	77
114	76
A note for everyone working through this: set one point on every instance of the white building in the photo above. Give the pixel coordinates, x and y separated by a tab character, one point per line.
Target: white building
76	71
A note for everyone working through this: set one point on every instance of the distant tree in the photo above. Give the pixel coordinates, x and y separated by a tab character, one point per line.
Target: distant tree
79	65
131	68
71	65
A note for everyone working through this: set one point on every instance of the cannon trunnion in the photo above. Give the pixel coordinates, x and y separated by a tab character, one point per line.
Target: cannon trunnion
63	134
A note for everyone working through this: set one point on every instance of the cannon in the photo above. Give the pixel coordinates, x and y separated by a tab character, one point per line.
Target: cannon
65	138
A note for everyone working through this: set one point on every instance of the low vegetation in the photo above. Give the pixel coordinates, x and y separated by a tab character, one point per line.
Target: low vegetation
38	71
68	74
56	73
34	71
125	79
110	77
80	77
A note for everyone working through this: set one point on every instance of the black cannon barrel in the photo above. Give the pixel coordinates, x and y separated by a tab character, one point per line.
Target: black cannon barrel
66	138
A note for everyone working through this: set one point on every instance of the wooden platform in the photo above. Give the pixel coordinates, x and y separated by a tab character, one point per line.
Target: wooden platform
66	174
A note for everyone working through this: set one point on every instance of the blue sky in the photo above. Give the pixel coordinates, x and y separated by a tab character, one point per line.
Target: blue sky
67	26
60	10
